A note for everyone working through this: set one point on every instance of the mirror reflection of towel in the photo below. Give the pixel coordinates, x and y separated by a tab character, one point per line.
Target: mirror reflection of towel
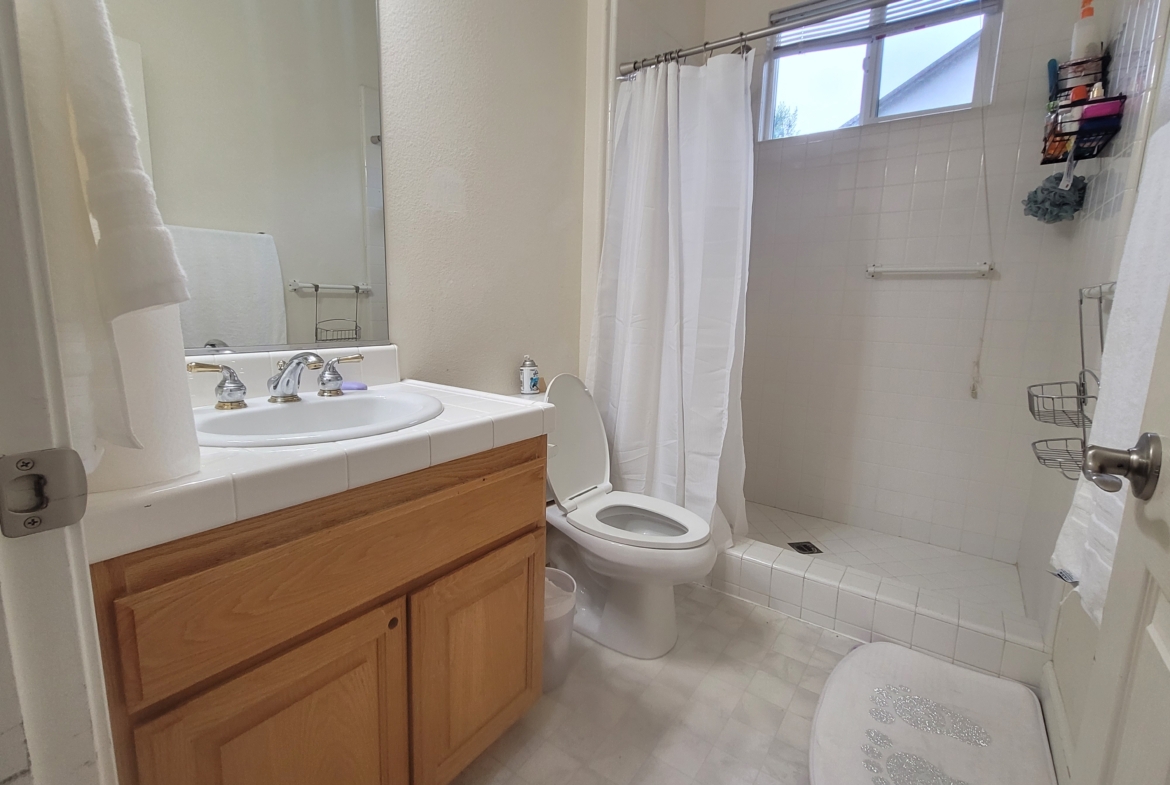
237	291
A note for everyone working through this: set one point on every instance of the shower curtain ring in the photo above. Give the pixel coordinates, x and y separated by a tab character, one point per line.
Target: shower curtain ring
707	50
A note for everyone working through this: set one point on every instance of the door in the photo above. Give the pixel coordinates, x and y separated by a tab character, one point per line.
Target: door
50	673
1126	719
475	653
333	710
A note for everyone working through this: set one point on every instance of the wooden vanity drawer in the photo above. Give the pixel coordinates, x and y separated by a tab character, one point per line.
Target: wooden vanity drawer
186	630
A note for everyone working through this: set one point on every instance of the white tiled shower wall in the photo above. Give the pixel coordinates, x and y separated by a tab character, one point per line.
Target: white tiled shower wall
1138	30
857	390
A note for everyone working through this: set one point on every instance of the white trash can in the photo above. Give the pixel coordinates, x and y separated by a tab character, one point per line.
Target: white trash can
560	603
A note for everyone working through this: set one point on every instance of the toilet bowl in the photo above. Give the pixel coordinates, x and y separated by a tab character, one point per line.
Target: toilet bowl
626	551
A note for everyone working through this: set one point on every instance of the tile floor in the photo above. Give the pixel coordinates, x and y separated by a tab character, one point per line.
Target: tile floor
963	576
732	704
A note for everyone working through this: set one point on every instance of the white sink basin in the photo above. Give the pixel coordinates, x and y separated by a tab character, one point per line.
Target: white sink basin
314	419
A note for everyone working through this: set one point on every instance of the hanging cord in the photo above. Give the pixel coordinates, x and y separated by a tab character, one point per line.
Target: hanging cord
977	364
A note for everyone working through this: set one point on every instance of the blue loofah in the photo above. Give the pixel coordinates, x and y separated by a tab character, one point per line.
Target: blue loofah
1051	204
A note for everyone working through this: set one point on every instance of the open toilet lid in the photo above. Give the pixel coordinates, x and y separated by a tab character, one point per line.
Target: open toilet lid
578	449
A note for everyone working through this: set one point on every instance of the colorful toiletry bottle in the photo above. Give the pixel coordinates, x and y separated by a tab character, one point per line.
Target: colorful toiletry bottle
1086	37
529	377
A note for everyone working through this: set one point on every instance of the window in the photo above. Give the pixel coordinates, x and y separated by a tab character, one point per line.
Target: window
863	61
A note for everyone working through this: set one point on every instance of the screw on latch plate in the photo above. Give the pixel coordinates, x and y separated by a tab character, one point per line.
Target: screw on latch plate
24	464
32	522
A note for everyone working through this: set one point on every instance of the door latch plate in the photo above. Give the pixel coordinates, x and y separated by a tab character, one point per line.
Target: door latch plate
41	490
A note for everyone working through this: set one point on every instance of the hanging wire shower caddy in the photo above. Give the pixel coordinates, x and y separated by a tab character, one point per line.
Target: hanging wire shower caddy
328	330
1069	404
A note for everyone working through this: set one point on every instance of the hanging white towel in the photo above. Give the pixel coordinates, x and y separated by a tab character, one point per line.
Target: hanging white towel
1088	540
87	166
237	291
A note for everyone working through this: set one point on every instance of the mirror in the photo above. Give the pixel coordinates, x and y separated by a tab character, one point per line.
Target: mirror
259	122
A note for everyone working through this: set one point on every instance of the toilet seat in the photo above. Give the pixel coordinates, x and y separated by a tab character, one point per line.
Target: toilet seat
578	473
635	519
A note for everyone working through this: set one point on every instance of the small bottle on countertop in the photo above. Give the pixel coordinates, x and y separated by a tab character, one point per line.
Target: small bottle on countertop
529	377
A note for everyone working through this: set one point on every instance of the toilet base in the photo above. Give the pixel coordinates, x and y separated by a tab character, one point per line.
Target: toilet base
635	619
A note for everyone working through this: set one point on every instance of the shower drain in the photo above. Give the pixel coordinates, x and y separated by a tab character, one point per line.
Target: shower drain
804	547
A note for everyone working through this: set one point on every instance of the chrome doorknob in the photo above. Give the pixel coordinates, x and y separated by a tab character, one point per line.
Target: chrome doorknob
1142	465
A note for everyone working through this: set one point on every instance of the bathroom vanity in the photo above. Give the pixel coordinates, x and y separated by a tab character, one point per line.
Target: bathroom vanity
269	622
387	634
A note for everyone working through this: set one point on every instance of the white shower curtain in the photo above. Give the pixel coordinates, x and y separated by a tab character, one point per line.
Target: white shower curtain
665	365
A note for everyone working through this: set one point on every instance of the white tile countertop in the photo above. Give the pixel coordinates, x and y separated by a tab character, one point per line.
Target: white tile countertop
239	483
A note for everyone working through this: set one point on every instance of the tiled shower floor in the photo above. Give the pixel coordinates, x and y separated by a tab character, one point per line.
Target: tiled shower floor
963	576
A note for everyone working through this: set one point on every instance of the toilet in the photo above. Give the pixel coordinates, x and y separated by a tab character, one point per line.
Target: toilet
626	551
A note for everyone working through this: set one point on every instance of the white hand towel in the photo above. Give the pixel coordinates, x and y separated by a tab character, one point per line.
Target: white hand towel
1088	539
87	165
237	291
136	266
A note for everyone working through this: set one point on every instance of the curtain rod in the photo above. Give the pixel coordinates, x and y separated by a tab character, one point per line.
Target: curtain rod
802	15
792	20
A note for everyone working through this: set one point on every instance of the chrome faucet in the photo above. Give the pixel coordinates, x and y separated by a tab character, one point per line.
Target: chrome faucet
230	392
329	381
285	386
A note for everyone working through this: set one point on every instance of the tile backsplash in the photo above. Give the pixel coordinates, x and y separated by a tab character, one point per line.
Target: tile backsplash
380	366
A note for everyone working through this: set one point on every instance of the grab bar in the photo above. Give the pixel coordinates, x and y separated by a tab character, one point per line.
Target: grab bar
361	288
981	270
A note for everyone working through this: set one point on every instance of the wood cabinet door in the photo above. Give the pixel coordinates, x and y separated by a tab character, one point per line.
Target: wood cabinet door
333	710
476	647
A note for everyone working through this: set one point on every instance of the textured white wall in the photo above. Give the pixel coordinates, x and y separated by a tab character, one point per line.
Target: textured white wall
649	27
483	120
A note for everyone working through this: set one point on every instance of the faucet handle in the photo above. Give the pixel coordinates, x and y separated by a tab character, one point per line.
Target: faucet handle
230	392
329	381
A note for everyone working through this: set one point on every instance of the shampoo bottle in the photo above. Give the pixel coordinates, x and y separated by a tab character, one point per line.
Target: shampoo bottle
1086	37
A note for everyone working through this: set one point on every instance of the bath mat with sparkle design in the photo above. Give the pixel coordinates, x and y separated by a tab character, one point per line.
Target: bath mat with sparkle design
892	716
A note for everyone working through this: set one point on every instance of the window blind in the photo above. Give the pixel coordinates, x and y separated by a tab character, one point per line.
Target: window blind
834	22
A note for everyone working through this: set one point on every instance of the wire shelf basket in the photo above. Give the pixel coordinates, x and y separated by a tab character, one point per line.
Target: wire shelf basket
1064	403
1058	403
338	330
1070	404
1065	455
327	330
